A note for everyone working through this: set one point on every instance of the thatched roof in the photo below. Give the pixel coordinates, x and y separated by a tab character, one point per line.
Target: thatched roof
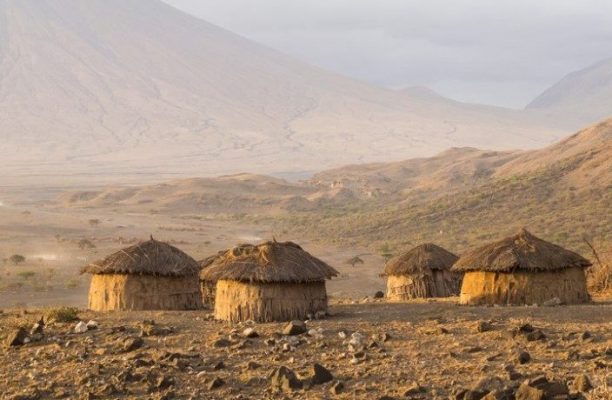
146	258
269	262
425	257
521	252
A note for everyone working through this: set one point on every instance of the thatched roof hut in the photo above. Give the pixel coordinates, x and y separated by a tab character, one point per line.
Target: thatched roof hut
422	272
151	275
522	269
208	287
271	281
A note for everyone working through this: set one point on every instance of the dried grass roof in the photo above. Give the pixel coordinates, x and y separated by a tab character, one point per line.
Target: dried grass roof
425	257
146	258
521	252
269	262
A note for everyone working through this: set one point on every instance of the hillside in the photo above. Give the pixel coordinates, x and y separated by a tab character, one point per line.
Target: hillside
135	90
459	197
580	98
562	192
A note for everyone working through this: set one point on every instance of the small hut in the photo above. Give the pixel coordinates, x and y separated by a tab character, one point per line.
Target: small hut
151	275
522	269
208	288
422	272
268	282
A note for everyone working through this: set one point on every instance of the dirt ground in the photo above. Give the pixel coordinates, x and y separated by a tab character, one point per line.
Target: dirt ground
424	349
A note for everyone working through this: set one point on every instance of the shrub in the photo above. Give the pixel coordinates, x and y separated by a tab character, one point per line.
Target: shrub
73	283
63	314
26	274
17	259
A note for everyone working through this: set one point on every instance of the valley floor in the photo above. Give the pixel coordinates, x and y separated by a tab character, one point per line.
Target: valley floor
435	345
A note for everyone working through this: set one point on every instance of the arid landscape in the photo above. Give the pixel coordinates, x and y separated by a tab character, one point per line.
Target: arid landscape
137	131
437	348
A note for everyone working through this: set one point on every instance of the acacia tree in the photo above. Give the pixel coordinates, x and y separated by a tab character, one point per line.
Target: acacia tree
385	252
354	261
17	259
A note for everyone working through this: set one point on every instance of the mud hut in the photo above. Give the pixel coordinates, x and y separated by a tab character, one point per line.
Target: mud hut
208	287
268	282
422	272
522	269
151	275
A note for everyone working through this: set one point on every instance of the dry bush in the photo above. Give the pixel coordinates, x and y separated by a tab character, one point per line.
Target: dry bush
599	276
63	314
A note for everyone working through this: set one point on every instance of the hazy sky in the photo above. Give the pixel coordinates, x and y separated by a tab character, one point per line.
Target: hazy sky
502	52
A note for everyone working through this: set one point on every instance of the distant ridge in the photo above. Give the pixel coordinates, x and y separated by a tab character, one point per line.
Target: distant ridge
580	98
135	89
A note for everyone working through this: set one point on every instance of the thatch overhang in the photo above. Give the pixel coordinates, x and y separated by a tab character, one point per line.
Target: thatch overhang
521	252
146	258
422	258
268	262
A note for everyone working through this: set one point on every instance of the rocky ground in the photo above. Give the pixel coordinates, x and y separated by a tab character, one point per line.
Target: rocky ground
376	350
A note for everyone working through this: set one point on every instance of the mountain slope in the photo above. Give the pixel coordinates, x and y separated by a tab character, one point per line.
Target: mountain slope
135	88
582	97
563	192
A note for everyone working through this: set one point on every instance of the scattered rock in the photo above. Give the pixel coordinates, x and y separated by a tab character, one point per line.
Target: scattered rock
81	327
252	365
337	388
316	333
484	326
17	338
216	383
164	382
38	327
220	343
535	335
250	333
384	337
150	328
488	384
500	394
582	383
294	328
379	295
321	375
285	379
523	357
473	395
91	325
359	357
356	340
414	390
219	365
514	376
131	344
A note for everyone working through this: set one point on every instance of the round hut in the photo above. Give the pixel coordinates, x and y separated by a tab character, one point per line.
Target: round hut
422	272
151	275
522	269
268	282
208	287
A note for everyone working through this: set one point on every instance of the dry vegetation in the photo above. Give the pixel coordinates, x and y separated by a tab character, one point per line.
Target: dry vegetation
462	219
